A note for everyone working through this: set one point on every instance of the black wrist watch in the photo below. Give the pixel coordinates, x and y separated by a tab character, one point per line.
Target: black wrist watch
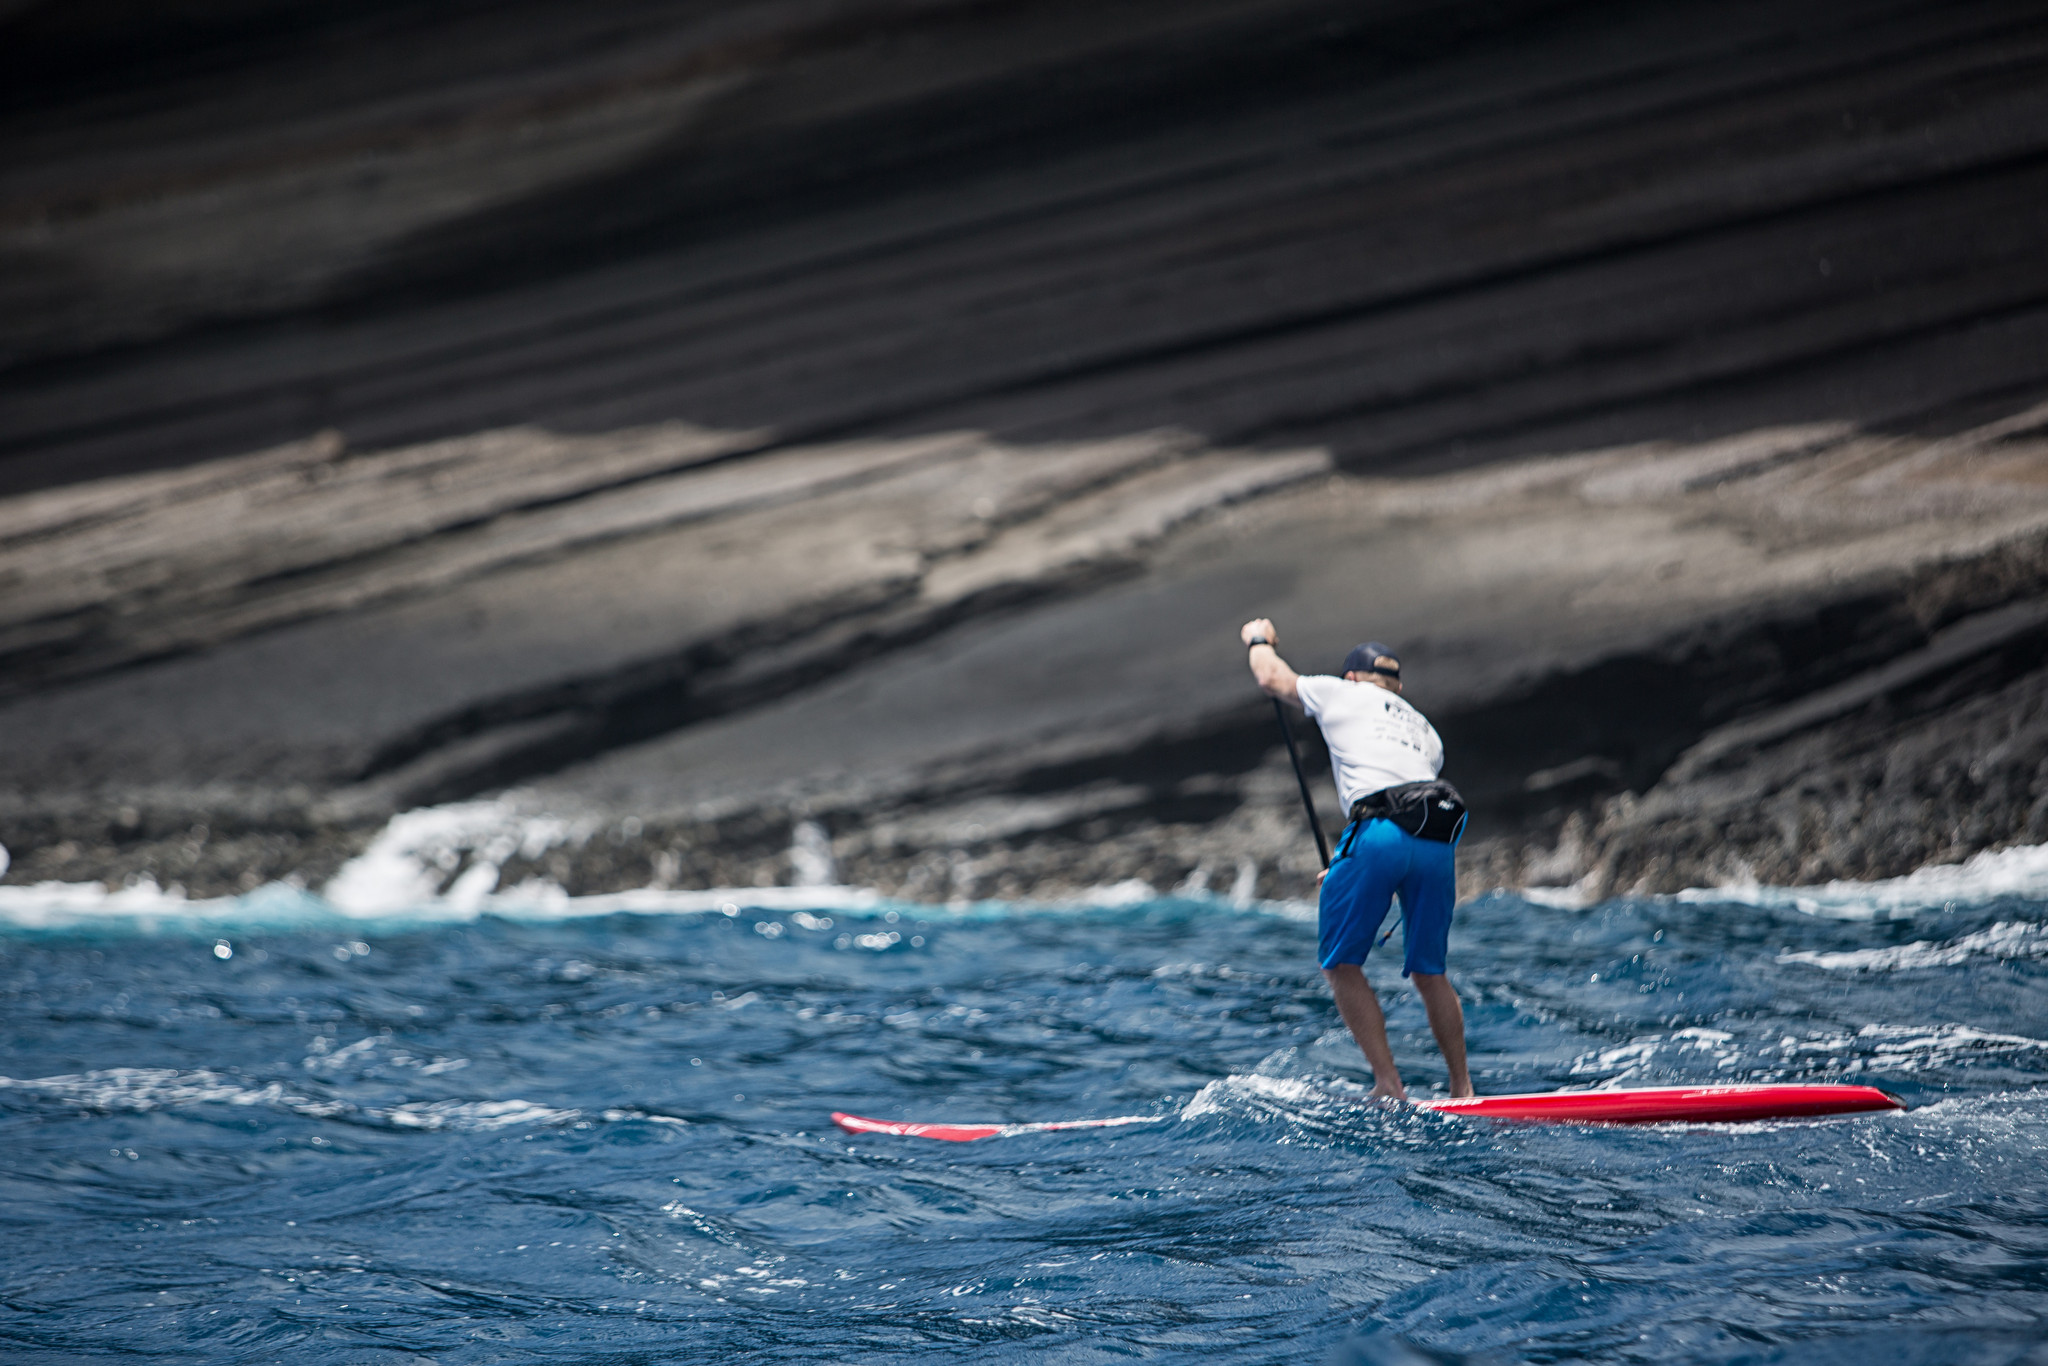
1256	641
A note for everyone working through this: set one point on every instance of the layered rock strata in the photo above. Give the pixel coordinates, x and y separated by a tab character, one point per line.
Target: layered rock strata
994	672
786	436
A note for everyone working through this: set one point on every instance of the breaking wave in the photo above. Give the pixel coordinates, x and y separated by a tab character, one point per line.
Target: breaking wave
2021	871
442	865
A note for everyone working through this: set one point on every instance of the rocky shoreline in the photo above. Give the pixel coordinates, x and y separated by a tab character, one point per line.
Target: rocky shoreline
1830	683
799	445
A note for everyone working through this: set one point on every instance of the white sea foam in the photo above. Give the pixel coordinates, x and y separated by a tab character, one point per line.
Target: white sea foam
140	1089
2007	939
48	905
1317	1106
1265	1097
1632	1060
406	866
435	864
58	905
160	1088
2019	872
1132	891
445	864
472	1114
1918	1048
1575	897
1874	1048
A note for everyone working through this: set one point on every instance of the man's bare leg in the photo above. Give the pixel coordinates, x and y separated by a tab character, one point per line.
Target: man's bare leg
1360	1007
1447	1022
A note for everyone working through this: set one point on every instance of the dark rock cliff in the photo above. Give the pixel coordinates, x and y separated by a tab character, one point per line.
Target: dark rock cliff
871	421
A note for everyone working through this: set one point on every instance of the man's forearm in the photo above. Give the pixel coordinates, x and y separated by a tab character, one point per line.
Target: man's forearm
1268	667
1269	670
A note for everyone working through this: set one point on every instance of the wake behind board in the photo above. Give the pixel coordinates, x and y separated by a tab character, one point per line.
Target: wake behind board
1727	1104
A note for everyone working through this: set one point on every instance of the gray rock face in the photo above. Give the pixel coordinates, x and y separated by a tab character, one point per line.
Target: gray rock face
785	436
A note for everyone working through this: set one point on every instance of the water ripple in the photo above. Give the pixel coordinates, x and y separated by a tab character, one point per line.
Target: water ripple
602	1134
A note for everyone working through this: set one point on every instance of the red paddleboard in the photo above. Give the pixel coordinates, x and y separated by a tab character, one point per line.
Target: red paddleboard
1732	1104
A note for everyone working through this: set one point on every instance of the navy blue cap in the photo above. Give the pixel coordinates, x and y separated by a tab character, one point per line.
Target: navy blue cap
1360	660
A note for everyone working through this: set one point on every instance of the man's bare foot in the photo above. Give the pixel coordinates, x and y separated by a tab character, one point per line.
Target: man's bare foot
1463	1093
1389	1093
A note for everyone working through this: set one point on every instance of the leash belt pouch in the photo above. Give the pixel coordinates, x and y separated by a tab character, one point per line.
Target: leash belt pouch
1430	811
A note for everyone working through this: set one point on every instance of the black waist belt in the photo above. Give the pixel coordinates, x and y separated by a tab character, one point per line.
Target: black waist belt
1430	811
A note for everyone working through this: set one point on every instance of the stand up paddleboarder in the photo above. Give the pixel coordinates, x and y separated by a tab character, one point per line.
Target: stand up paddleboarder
1401	840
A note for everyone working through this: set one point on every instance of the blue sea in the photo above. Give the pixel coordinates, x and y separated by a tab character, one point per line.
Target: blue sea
283	1128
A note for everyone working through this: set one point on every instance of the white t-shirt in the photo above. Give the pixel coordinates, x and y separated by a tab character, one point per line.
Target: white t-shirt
1376	739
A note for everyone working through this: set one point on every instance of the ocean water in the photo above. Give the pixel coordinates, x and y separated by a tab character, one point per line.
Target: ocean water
431	1123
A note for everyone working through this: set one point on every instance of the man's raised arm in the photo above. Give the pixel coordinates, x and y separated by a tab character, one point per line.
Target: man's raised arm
1268	667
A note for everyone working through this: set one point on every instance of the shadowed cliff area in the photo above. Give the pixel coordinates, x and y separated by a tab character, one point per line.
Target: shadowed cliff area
716	418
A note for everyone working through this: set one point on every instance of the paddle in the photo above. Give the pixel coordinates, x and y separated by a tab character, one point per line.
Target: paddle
1308	802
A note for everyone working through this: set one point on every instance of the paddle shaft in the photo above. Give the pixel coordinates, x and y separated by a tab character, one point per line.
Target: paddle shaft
1301	779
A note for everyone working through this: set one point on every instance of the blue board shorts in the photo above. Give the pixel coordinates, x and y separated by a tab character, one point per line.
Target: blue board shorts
1376	861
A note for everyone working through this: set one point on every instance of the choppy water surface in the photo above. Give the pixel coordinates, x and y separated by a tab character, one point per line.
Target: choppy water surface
606	1139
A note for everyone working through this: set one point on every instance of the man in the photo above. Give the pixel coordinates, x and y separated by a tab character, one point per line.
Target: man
1377	744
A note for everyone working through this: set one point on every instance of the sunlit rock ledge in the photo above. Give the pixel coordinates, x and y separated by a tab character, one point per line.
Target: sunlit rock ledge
1796	654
